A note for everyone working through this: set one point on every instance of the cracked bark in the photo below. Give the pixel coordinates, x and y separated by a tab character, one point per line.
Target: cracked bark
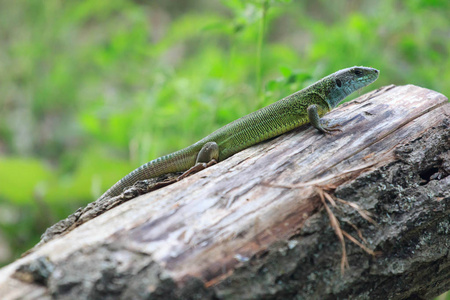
253	227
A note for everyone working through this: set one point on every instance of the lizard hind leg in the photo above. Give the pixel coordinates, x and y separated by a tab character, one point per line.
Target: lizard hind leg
209	152
206	157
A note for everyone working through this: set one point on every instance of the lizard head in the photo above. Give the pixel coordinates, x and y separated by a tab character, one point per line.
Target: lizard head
346	81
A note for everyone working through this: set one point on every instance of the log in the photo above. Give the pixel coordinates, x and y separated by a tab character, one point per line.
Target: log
257	225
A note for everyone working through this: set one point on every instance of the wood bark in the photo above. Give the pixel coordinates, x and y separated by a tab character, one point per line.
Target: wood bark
254	227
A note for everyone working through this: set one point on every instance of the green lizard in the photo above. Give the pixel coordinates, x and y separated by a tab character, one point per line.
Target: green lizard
306	105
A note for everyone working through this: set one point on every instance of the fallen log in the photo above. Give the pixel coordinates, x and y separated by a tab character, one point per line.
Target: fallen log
257	225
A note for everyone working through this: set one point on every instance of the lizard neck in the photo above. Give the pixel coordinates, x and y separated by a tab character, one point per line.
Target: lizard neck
336	96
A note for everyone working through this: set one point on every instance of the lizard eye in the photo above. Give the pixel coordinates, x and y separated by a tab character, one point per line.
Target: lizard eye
358	72
338	82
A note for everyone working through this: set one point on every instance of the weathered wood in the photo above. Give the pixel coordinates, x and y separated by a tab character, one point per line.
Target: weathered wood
253	227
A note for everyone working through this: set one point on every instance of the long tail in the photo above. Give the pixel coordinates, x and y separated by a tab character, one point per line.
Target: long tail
175	162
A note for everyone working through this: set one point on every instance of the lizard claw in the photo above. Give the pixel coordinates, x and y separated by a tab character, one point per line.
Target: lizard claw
198	167
331	129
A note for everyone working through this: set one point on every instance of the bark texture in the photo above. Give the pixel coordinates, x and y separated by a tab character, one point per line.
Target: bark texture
254	227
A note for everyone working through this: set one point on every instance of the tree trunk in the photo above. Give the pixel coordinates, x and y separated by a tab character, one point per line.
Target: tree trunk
254	226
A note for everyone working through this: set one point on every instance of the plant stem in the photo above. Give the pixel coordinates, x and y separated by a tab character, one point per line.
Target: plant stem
264	7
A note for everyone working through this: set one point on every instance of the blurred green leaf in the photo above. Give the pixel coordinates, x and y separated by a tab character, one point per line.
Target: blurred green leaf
286	71
20	177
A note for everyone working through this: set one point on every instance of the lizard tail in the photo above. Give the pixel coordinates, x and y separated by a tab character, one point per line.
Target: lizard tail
175	162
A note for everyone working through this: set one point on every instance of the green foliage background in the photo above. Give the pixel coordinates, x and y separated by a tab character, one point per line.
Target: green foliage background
89	90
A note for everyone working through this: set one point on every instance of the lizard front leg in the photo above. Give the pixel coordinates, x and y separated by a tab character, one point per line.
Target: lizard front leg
318	123
206	157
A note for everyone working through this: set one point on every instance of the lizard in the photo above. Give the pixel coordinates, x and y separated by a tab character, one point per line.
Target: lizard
305	106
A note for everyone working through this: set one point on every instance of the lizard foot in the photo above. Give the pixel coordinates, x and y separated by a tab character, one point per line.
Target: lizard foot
198	167
326	128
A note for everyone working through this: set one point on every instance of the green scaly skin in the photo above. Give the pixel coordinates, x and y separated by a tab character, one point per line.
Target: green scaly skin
304	106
